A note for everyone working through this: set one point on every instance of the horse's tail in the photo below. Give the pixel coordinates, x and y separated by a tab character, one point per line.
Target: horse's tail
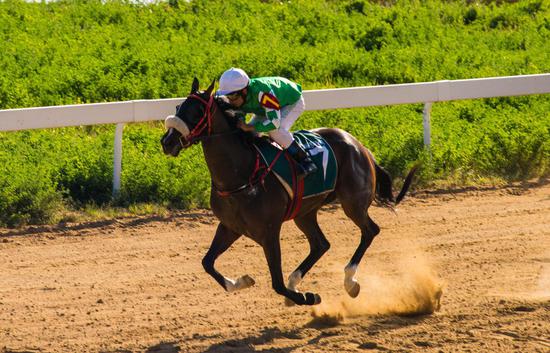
384	193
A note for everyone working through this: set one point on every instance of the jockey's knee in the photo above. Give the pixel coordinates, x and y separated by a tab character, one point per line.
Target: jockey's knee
282	137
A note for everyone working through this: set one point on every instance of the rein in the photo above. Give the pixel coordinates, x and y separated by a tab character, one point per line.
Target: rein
252	181
204	123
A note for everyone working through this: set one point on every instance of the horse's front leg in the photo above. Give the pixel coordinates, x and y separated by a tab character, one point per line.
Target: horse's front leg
223	239
272	250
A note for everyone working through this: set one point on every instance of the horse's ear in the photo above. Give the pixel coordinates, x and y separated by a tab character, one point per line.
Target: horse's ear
195	86
211	87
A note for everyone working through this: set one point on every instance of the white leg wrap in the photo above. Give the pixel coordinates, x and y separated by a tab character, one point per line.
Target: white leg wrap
230	285
241	283
350	281
294	279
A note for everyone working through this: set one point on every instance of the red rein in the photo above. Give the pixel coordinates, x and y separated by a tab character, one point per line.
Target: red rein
204	122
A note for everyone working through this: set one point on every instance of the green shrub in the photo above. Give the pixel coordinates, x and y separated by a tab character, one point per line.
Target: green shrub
72	52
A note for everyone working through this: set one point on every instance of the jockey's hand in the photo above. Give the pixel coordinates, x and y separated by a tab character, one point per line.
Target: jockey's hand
245	127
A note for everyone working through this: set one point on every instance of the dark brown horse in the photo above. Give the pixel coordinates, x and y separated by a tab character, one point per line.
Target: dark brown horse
258	210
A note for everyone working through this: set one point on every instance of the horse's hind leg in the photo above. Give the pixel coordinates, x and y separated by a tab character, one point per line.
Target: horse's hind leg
223	239
369	230
318	245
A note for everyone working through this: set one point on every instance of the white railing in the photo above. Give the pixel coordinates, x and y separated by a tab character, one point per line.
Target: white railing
146	110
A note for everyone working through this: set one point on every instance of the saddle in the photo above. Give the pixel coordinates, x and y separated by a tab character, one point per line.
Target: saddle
284	168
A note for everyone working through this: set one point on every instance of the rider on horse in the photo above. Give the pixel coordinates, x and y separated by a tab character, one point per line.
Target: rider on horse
275	103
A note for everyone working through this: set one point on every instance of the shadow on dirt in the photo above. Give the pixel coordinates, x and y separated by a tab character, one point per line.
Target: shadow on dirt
516	188
267	336
311	334
120	222
164	347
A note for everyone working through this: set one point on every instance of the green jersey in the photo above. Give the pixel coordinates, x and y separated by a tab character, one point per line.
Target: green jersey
265	98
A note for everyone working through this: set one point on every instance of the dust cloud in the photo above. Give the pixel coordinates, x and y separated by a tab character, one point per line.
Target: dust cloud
414	289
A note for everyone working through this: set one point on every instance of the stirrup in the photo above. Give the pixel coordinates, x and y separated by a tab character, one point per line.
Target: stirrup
310	166
306	168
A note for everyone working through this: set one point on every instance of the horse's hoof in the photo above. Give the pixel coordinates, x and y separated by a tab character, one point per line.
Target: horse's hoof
354	290
289	302
312	298
317	299
245	282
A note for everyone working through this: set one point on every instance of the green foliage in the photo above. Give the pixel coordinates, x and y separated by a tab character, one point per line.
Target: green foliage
71	52
149	176
27	197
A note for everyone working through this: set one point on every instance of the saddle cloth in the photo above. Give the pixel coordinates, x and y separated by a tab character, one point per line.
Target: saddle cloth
320	182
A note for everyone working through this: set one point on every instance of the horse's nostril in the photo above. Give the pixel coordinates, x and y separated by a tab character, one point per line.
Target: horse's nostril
165	146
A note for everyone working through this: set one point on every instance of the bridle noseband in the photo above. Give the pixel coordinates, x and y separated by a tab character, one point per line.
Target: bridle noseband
205	122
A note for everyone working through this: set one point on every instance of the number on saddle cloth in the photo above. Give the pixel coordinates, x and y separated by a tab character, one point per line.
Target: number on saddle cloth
320	182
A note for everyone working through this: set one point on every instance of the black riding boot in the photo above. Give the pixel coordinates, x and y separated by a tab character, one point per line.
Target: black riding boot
305	164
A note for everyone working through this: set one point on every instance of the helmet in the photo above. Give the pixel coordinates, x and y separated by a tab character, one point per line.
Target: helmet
233	80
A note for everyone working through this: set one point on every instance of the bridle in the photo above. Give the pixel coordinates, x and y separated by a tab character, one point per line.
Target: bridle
205	123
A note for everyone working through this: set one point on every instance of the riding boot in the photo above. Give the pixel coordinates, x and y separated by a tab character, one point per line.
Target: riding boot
305	164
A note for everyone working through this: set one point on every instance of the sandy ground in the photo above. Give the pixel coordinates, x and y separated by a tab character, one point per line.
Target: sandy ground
137	285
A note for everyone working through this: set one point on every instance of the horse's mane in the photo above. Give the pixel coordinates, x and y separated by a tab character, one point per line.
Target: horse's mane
231	114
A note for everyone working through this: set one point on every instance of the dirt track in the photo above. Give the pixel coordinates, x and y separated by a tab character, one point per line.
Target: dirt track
137	285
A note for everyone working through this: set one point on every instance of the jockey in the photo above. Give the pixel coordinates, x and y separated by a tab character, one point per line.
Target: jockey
275	103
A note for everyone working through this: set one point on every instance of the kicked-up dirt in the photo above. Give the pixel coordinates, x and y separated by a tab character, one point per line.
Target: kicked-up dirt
463	271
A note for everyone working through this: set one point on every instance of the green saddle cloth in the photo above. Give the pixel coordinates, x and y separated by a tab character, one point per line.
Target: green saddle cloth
320	182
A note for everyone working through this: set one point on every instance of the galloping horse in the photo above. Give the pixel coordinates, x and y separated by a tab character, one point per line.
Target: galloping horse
257	210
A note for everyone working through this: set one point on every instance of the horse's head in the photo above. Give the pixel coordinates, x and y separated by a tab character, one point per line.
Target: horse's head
192	120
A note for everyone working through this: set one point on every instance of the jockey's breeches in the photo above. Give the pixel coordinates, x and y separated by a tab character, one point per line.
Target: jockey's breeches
289	115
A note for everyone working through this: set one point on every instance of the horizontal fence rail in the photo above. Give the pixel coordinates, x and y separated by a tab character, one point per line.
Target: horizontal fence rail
136	111
156	109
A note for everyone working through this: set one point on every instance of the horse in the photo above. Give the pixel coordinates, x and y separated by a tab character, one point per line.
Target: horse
245	206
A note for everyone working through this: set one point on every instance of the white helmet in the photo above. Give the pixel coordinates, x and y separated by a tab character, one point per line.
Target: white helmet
233	80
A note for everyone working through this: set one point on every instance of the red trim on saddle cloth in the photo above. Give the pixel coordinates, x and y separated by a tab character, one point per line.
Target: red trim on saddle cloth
294	204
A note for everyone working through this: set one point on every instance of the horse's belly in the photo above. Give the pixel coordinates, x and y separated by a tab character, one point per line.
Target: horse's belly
254	209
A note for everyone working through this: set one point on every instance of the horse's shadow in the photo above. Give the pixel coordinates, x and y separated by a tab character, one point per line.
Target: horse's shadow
267	335
164	347
323	329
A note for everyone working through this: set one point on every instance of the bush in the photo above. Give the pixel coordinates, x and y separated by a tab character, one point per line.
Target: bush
71	52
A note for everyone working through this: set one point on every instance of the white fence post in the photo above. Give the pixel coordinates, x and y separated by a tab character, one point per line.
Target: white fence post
426	122
117	159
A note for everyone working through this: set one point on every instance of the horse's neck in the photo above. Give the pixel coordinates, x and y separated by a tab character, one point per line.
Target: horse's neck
229	159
